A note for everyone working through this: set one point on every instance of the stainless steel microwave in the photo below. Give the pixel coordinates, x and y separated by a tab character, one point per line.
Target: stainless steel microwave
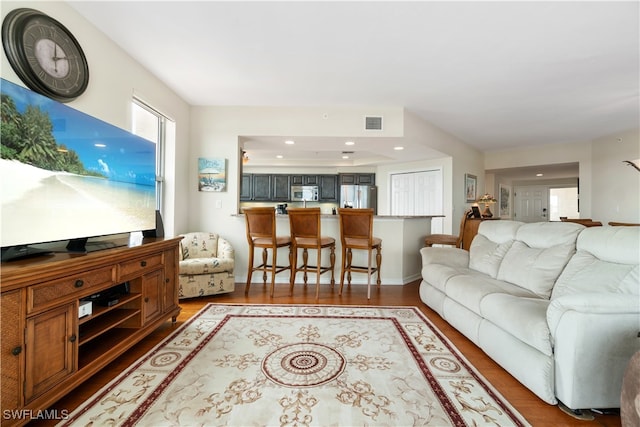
304	192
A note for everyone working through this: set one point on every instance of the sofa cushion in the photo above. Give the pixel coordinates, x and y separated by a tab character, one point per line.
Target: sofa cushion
205	265
524	318
439	264
470	289
490	245
437	275
606	261
539	254
612	244
199	245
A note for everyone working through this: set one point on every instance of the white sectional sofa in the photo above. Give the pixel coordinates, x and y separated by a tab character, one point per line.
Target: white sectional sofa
555	304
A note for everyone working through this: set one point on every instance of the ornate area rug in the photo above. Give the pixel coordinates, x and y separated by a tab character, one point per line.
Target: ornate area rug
300	365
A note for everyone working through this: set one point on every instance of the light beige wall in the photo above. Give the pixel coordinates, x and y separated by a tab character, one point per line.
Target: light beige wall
114	78
616	185
215	132
609	189
463	159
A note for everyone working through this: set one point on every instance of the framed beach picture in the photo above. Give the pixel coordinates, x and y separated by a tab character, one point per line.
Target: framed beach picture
470	187
212	174
504	201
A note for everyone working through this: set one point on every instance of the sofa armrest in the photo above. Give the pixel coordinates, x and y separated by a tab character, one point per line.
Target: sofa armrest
453	257
591	303
594	335
225	250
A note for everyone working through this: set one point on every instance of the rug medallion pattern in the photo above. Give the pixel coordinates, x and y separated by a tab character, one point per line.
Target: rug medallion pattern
300	365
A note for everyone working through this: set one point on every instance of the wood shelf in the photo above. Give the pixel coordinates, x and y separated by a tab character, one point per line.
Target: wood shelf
101	325
98	310
109	339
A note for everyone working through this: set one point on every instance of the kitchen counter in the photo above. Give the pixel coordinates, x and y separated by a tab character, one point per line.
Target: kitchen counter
402	238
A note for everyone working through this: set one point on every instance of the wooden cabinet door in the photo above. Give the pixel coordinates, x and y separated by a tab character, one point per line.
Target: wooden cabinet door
51	349
347	179
366	179
281	188
245	187
152	286
12	348
261	187
310	180
170	285
328	188
357	179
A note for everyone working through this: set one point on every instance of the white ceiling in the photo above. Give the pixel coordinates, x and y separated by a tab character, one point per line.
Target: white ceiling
494	74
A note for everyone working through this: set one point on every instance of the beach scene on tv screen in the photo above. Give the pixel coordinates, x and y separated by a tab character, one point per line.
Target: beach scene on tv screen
67	175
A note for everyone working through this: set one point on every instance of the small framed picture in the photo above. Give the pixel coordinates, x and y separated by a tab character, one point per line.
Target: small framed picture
476	212
505	201
470	187
212	174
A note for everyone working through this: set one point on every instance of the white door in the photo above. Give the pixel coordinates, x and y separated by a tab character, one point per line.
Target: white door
531	203
418	193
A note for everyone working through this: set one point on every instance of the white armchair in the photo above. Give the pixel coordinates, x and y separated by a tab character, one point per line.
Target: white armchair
206	265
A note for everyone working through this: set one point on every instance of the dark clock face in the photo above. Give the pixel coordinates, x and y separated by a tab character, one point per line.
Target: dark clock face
44	54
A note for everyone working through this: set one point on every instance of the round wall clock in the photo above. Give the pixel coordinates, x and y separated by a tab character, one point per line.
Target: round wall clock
44	54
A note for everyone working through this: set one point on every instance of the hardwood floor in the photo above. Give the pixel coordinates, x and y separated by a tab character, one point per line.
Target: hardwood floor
537	412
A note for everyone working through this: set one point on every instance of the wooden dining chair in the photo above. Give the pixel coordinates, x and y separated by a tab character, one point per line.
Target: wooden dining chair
356	232
448	239
261	233
304	226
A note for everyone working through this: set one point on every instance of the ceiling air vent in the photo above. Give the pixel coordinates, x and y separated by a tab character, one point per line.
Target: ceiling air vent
373	123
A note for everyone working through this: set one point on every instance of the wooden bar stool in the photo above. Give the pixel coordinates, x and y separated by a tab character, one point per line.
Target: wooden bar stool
261	233
356	232
305	234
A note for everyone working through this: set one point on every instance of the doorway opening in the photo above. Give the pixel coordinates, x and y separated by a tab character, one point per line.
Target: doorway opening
536	203
563	202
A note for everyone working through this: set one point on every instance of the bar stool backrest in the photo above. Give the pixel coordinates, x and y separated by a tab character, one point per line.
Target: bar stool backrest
356	224
304	222
261	223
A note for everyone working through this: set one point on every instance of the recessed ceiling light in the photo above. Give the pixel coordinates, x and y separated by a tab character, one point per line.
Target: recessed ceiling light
539	174
398	148
349	143
289	142
345	157
280	156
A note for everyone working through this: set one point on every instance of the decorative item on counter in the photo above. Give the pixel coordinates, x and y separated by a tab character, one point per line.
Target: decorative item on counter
487	199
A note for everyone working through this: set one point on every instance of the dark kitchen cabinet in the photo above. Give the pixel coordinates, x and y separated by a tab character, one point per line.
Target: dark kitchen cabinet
357	178
328	188
304	180
281	188
261	187
245	187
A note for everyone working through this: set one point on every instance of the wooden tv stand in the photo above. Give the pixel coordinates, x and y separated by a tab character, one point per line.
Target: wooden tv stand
46	349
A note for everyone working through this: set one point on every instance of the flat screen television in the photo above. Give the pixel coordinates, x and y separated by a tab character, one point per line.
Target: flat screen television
66	176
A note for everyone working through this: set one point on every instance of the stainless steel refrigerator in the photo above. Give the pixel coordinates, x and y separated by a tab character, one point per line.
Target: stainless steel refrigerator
359	196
